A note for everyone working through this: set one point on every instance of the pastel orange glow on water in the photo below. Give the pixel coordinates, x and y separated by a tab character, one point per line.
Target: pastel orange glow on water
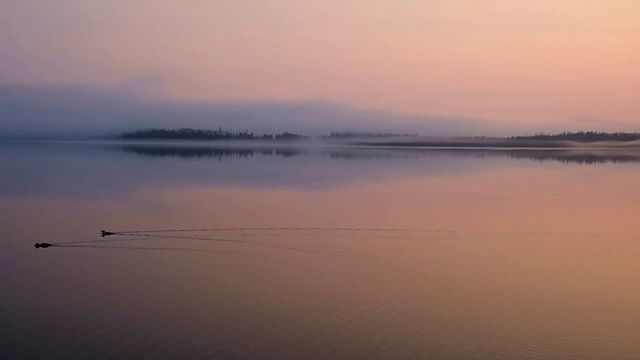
522	258
535	199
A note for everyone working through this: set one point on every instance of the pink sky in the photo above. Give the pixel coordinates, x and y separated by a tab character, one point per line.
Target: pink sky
530	62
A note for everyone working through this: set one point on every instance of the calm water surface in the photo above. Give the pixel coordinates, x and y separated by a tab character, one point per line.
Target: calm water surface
484	254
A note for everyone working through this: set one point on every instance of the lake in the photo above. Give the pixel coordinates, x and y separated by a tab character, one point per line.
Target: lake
318	252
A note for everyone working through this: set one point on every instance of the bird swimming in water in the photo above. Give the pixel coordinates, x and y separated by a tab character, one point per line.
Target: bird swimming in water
42	245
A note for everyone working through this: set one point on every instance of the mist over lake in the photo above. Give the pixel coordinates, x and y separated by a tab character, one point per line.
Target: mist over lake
266	252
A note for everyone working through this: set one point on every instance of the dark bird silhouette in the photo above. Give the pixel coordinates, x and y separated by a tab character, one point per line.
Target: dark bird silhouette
42	245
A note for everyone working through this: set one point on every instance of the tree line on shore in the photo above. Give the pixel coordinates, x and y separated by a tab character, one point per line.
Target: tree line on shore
220	134
585	136
198	134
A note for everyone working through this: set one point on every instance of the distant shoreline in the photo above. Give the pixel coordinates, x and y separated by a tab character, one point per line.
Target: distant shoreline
224	138
503	144
588	139
432	143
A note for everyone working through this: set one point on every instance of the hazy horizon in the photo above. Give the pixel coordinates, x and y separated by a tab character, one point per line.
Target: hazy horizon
68	111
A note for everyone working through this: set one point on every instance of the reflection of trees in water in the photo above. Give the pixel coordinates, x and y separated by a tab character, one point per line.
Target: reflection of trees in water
577	157
349	155
582	156
588	157
217	152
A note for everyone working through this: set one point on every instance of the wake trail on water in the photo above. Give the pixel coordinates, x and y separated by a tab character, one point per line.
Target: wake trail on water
142	236
159	234
57	245
326	231
123	232
104	241
153	236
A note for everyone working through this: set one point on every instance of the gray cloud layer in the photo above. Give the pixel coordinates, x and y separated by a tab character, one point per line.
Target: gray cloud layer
71	111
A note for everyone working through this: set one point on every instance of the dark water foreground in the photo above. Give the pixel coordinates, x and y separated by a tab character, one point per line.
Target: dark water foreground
390	254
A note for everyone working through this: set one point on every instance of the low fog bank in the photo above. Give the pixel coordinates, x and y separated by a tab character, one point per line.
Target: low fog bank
82	111
489	142
77	111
